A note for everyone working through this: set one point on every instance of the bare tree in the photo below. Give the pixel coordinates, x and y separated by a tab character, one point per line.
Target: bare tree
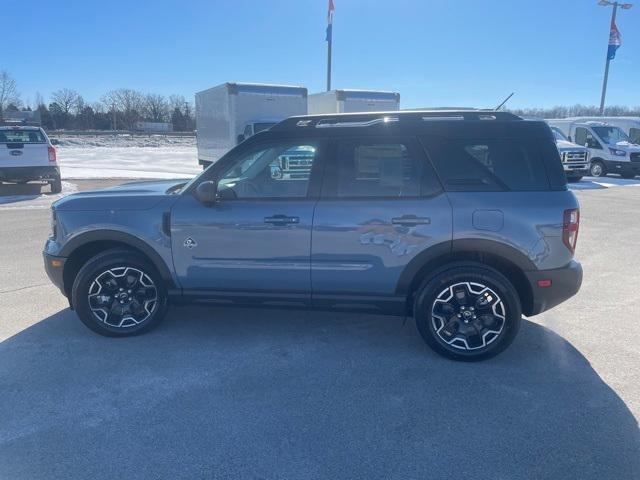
156	108
128	103
68	100
8	91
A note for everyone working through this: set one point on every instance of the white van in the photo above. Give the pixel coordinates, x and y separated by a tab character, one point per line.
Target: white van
629	125
609	147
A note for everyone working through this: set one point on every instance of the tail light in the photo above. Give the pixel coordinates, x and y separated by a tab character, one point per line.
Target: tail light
52	154
570	227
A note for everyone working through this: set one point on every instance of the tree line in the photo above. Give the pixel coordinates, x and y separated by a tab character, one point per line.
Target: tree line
123	108
577	111
117	109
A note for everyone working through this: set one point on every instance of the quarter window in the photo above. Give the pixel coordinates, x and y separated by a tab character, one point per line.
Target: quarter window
488	165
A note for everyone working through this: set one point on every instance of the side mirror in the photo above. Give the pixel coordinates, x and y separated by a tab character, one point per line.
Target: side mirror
207	192
55	141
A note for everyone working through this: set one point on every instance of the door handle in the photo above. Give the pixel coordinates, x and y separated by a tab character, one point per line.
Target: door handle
281	220
410	220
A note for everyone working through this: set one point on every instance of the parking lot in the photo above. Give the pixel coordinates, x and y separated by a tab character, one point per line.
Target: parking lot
287	394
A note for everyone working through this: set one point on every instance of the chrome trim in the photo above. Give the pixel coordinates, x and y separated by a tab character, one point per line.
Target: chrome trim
375	121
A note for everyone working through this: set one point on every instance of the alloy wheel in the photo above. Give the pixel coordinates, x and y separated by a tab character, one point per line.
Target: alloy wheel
123	297
468	316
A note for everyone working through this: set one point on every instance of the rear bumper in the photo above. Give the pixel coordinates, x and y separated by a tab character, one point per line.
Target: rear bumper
26	174
623	168
565	283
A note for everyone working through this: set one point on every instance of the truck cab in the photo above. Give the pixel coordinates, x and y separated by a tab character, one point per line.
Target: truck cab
610	149
575	158
253	127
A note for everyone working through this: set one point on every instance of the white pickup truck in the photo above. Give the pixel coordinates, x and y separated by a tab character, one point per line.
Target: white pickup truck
26	155
575	158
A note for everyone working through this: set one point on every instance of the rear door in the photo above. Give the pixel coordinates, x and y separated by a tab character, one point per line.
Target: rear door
21	147
381	206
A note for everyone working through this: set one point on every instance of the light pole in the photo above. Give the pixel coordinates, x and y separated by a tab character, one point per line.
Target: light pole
624	6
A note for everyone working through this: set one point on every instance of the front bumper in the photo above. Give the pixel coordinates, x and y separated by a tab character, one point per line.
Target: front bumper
623	168
565	283
27	174
574	171
54	266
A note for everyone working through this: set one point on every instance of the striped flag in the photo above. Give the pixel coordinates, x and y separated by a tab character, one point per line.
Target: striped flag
615	40
330	21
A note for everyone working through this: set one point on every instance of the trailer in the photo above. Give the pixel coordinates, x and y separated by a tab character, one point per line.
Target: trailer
229	113
352	101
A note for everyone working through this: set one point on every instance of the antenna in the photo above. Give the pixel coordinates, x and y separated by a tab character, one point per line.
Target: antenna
505	101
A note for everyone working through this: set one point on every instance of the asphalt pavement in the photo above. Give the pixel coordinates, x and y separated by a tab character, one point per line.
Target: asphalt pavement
283	394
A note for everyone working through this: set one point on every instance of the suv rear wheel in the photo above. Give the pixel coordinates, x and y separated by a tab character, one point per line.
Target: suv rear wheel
119	293
468	312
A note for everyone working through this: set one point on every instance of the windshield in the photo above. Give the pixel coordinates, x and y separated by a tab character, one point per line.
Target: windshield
611	135
558	134
21	136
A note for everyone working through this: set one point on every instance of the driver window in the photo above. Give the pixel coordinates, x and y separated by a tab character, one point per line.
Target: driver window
274	171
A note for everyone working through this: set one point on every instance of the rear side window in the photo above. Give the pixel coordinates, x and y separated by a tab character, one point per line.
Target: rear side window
488	165
21	136
370	168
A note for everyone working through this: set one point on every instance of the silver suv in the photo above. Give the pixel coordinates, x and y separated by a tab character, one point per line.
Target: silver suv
461	219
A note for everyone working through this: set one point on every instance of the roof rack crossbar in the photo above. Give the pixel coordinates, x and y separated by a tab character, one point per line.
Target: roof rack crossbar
371	119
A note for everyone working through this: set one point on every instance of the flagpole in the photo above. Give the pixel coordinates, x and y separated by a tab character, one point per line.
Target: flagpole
606	68
329	63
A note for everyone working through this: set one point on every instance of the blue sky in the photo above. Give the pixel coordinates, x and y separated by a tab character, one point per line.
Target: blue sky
435	53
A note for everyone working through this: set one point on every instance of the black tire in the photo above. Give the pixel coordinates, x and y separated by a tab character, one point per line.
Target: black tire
141	313
56	185
597	169
495	334
574	179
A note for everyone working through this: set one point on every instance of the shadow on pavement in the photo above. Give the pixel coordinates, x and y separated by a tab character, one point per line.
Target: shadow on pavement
225	393
10	193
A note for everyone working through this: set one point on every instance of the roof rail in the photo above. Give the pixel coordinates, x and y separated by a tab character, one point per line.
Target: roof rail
371	119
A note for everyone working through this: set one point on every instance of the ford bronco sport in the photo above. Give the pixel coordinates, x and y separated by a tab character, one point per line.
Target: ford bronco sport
461	219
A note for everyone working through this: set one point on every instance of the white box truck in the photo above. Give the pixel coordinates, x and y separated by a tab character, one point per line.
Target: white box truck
231	112
629	125
609	147
352	101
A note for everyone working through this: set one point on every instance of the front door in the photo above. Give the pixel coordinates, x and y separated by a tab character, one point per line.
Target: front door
256	240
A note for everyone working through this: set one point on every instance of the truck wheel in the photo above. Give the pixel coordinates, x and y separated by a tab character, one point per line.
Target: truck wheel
119	293
468	312
56	185
597	169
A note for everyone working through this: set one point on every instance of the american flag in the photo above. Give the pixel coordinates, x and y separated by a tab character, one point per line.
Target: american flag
615	40
330	20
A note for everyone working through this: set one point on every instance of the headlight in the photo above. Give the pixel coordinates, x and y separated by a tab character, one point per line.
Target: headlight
618	153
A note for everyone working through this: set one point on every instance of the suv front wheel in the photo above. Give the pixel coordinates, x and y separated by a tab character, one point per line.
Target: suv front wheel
468	312
119	293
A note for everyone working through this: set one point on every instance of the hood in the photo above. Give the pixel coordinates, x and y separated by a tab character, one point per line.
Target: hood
128	196
631	147
564	145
